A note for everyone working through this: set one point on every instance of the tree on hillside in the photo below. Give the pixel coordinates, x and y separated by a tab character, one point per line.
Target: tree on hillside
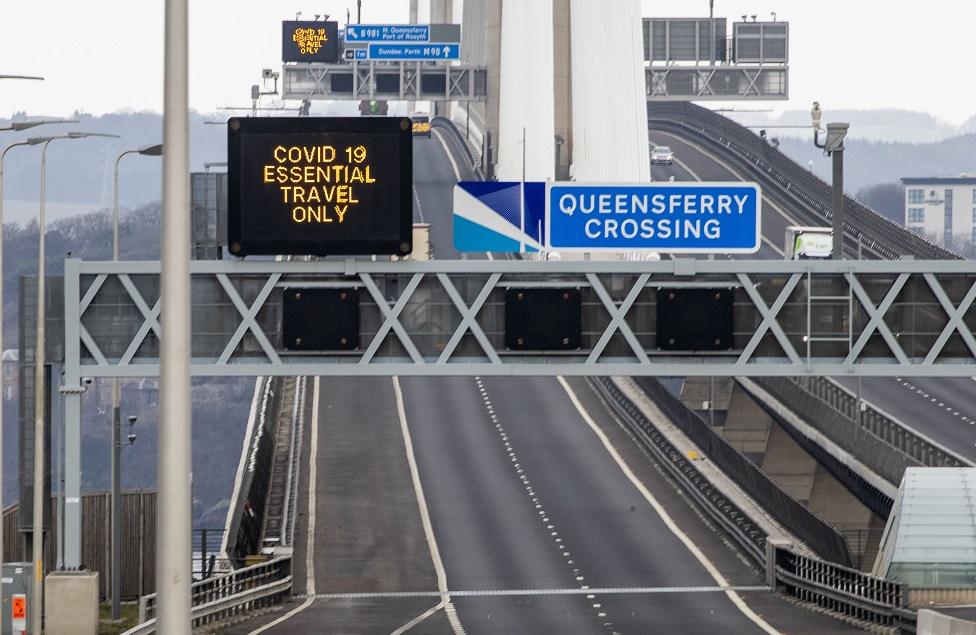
885	198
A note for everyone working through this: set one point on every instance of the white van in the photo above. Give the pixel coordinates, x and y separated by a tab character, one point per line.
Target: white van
808	243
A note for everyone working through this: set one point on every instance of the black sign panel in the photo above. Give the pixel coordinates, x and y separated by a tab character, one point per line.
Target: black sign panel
320	319
543	319
310	41
319	186
694	319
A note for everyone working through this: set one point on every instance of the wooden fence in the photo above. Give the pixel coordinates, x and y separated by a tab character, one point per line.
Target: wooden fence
138	541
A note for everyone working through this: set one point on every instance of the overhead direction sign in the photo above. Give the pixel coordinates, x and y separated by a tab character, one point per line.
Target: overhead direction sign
430	51
319	186
665	217
310	41
388	33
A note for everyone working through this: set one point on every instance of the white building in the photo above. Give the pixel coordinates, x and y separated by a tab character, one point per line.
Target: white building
941	207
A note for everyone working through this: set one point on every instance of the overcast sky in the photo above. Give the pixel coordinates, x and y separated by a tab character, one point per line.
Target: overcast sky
106	55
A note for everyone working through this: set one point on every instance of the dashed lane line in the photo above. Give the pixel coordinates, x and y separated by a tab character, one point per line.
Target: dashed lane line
949	408
540	510
420	208
663	514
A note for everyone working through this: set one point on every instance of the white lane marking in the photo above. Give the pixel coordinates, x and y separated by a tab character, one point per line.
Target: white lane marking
447	151
588	592
694	175
420	208
310	541
435	554
663	514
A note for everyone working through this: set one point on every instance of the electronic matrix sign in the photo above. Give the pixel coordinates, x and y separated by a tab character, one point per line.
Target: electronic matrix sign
310	41
319	186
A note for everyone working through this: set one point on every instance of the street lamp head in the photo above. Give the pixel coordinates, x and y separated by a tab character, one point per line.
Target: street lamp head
85	135
33	141
24	125
151	151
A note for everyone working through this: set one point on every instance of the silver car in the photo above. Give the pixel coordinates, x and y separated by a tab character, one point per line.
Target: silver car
662	154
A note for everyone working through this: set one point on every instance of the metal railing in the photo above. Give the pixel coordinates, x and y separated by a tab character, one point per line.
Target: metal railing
460	143
226	596
769	164
244	529
888	429
881	457
816	533
839	589
843	590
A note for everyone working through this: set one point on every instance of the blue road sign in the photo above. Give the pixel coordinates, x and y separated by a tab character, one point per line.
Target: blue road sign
489	217
388	33
431	51
356	54
665	217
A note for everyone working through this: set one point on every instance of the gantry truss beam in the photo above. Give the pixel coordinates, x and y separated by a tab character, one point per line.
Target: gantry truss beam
882	318
384	80
722	82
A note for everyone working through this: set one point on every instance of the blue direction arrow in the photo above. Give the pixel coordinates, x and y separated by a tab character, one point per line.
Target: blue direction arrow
432	51
672	217
388	33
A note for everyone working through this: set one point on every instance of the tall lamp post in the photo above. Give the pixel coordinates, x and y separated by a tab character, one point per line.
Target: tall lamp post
37	539
174	540
3	155
833	145
150	151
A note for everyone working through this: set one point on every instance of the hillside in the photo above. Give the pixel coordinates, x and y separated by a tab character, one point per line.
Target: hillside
220	406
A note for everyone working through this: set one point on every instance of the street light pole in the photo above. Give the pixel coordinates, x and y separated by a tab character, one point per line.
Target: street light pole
173	543
37	538
3	155
116	572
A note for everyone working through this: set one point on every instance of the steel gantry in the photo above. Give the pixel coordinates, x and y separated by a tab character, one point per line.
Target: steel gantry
384	80
810	318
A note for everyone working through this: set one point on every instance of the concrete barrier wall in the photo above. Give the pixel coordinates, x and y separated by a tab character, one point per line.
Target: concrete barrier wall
932	623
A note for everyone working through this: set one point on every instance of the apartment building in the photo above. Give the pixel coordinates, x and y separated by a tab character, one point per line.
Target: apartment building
941	207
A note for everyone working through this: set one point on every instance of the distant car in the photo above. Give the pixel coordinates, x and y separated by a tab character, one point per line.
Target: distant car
662	154
421	124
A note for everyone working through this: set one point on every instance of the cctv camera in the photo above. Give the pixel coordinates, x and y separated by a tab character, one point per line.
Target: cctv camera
132	420
267	73
88	381
131	438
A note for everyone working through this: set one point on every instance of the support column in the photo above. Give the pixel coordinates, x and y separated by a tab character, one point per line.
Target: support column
525	106
562	87
72	389
493	48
